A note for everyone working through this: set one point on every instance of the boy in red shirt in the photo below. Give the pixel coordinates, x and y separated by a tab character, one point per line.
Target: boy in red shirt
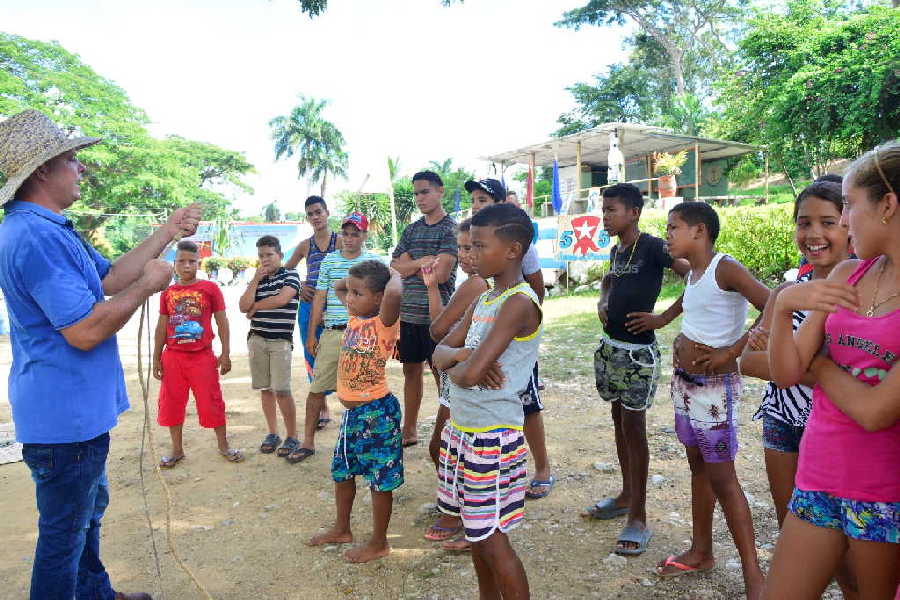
184	329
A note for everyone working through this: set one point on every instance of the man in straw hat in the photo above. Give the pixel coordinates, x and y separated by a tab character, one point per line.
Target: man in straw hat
66	384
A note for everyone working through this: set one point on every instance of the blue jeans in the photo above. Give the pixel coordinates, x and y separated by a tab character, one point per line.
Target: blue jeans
72	493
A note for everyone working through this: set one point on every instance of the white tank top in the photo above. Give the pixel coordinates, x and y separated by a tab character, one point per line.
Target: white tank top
712	316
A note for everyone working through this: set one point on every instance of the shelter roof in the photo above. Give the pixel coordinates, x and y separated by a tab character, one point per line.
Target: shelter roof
635	140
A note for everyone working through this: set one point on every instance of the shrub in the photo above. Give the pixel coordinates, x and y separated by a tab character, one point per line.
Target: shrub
211	264
760	237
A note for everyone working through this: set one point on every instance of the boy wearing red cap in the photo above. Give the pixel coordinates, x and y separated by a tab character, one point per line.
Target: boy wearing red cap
326	350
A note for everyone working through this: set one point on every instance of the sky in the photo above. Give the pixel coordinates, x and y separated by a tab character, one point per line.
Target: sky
404	78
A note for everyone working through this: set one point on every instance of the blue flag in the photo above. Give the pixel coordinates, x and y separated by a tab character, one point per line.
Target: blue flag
555	198
457	202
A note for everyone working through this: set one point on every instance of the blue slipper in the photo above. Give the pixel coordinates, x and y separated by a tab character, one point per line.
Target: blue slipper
632	534
605	509
547	484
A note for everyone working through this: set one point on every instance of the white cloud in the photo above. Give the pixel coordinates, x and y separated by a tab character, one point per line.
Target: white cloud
406	78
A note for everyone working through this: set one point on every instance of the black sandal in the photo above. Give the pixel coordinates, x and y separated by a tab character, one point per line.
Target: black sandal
299	455
289	445
270	443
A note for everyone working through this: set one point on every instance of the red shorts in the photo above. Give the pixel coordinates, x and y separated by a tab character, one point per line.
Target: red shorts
197	372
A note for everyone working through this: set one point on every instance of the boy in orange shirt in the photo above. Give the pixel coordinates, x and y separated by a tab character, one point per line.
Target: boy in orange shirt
370	441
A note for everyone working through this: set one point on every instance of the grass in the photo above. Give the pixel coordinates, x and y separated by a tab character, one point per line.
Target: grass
572	332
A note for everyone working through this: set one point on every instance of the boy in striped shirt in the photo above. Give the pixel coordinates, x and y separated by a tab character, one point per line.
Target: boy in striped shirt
270	302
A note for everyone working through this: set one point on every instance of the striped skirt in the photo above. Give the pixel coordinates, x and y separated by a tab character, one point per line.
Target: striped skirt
481	478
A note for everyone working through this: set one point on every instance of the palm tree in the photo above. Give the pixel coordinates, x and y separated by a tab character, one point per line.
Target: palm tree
317	143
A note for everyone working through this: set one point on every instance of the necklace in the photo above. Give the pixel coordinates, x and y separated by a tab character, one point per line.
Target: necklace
619	272
875	304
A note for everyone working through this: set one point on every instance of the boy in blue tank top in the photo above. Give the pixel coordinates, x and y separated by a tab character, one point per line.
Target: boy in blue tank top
489	357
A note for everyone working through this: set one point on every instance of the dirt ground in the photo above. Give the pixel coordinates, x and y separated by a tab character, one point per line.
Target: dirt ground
242	527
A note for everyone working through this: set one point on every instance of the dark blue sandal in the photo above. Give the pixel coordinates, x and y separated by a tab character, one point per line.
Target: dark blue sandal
269	444
605	509
289	445
632	534
547	484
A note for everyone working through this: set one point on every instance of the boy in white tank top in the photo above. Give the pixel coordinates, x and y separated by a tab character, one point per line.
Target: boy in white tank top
706	387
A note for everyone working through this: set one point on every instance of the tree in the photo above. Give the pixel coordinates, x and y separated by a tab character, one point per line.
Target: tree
314	8
130	173
685	29
454	181
815	84
317	143
271	213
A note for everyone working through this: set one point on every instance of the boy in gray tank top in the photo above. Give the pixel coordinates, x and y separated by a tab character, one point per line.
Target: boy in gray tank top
488	358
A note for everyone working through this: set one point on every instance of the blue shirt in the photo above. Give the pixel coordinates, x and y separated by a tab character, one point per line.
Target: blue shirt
333	268
52	280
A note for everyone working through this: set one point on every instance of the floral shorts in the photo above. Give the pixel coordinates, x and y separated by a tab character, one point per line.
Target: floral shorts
481	478
369	445
868	521
706	411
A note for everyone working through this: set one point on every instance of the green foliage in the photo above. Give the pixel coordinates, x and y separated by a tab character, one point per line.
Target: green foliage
130	171
667	163
318	144
239	264
454	179
814	84
271	213
211	264
760	237
314	8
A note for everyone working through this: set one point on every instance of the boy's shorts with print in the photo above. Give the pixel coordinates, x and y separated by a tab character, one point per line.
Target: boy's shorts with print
627	373
185	371
270	363
481	478
326	366
706	413
868	521
370	445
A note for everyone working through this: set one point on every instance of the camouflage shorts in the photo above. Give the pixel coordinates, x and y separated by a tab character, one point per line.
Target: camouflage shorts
627	373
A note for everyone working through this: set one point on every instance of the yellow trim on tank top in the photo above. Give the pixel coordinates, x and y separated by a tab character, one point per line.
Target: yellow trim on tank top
484	429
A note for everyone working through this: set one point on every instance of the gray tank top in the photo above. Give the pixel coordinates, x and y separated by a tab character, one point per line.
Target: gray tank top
478	409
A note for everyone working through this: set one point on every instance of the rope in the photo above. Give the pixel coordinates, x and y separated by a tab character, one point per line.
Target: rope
144	380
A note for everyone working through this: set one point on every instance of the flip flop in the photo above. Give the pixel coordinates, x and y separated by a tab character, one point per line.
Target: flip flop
167	462
322	423
683	569
445	532
641	537
605	509
299	455
233	455
547	484
460	544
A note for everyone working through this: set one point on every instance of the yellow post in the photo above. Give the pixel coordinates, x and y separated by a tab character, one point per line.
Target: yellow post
578	172
696	171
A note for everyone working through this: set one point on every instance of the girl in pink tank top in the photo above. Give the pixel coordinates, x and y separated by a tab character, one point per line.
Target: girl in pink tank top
847	495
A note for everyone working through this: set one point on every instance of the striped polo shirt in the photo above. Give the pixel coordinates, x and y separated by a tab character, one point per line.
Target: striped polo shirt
421	239
335	267
276	323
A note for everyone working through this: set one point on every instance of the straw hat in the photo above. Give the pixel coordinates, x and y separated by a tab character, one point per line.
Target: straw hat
28	140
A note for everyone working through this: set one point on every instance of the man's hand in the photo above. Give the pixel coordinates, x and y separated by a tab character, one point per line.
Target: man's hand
224	363
758	339
639	322
312	346
184	221
602	308
261	272
493	378
249	314
713	359
156	275
157	369
306	293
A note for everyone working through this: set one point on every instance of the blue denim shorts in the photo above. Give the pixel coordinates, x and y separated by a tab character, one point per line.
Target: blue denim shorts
780	436
370	445
868	521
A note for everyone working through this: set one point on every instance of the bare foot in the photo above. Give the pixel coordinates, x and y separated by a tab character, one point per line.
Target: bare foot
754	585
332	536
367	552
460	544
695	561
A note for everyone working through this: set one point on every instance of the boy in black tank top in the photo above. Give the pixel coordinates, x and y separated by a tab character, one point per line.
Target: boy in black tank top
627	362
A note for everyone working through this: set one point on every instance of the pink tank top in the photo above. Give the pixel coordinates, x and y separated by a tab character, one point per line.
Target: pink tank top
838	456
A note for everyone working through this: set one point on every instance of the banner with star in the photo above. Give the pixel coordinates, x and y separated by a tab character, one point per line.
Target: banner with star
582	237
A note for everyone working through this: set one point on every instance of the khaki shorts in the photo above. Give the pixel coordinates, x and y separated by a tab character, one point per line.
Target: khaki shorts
270	364
325	371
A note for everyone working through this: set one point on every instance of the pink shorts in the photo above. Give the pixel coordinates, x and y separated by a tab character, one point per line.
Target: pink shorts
196	372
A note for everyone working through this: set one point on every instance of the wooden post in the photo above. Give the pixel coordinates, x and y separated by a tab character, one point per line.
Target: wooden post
767	175
696	171
649	178
578	173
531	169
